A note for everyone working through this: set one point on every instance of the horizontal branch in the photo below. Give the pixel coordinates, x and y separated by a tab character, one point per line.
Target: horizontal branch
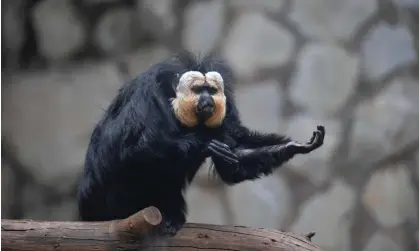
134	233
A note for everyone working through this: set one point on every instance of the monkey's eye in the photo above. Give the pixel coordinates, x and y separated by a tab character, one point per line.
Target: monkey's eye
197	89
212	90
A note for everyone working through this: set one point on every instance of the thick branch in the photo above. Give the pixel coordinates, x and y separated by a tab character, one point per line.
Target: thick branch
133	233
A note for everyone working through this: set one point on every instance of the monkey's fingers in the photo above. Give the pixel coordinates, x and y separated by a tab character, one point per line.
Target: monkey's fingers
318	140
312	138
322	133
317	137
220	144
221	150
224	157
223	153
321	129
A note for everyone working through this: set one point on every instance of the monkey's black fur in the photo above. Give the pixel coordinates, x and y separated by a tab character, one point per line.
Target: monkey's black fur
140	155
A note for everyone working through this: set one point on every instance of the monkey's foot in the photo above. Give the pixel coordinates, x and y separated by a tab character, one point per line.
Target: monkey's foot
219	150
167	228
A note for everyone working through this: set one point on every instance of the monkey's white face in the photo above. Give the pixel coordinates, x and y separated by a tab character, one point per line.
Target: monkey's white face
200	98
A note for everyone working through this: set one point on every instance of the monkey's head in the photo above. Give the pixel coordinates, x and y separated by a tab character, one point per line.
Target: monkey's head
200	99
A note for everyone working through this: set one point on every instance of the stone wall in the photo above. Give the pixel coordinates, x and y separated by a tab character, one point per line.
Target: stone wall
351	65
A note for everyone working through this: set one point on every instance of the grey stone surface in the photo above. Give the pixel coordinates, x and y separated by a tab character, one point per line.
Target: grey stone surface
206	175
116	32
142	59
50	116
325	78
12	26
406	91
259	105
417	238
204	205
409	90
66	210
417	164
7	189
331	19
34	207
251	5
403	236
268	45
204	23
327	215
156	17
315	166
59	31
266	202
385	48
409	4
390	197
382	242
92	2
387	122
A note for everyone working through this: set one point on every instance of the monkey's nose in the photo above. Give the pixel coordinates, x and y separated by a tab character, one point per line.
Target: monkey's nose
205	107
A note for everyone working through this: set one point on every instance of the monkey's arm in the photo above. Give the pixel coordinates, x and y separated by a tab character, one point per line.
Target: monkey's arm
253	139
249	164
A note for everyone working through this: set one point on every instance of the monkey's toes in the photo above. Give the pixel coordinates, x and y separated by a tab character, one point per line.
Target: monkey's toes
168	229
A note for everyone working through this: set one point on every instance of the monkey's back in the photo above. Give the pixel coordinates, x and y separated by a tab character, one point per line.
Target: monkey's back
115	192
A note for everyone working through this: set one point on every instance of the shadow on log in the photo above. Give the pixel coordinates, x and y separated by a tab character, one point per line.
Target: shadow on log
135	233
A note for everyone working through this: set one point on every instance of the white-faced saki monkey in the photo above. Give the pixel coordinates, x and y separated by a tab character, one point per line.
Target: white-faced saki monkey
159	130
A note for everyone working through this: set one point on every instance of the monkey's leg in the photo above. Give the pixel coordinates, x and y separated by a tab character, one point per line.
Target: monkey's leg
254	163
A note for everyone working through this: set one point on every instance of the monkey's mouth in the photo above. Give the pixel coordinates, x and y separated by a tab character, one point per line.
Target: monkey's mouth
204	112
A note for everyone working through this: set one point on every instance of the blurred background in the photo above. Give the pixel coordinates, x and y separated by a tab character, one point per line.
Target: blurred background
351	65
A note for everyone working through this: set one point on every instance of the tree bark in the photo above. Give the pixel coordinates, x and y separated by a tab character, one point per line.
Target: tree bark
135	233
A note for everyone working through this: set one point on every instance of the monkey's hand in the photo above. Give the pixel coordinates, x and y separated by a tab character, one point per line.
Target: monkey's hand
219	151
315	142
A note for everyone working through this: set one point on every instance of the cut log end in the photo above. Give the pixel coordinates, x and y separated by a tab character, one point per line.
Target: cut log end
137	225
152	215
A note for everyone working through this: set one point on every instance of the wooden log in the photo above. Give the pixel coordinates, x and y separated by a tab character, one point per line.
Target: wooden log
134	233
